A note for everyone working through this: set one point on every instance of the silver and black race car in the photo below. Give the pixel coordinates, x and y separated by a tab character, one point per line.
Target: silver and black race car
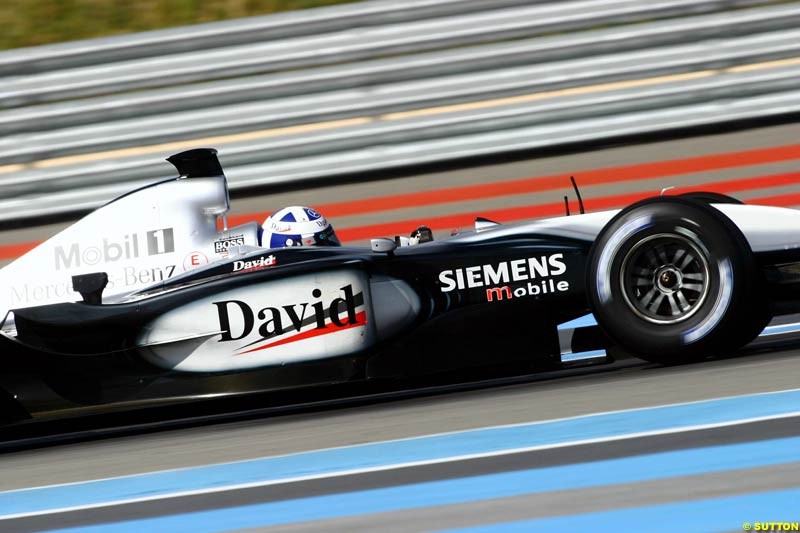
174	309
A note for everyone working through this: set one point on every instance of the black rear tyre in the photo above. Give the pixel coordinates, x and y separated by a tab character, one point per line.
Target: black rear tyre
672	280
711	197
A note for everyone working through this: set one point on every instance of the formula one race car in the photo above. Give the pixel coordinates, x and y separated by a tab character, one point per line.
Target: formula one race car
173	309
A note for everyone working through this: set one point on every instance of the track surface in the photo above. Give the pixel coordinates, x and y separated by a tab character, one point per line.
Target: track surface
634	385
637	385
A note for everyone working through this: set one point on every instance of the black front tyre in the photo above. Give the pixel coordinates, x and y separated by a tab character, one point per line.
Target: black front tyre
672	280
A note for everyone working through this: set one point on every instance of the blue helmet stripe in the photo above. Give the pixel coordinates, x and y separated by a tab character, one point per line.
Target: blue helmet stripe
311	214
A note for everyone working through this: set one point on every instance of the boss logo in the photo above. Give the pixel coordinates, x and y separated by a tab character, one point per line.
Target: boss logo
223	245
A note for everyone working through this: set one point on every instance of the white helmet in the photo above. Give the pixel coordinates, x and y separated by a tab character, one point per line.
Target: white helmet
297	226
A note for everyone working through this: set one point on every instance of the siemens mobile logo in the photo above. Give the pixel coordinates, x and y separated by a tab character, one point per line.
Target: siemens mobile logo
532	268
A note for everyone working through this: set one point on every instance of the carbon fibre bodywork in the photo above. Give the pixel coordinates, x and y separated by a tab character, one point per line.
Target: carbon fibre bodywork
92	354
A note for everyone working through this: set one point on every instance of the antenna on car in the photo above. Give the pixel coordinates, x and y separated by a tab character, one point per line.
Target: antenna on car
566	204
578	194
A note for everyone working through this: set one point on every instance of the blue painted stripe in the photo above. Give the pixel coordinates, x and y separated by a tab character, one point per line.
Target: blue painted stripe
784	328
580	356
700	516
464	490
580	322
387	454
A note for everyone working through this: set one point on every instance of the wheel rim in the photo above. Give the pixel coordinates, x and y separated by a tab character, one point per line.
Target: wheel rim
664	278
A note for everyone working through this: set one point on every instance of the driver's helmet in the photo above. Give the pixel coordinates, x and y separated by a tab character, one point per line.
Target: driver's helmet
297	226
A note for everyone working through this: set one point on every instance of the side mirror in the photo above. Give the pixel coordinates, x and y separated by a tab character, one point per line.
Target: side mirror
90	286
383	246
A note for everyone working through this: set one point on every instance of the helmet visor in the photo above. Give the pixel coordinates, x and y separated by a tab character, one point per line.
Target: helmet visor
326	237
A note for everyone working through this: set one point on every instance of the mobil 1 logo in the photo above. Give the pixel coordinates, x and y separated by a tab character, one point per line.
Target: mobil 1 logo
109	250
160	241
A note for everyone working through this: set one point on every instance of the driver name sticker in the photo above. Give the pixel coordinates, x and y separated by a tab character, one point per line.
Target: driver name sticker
255	264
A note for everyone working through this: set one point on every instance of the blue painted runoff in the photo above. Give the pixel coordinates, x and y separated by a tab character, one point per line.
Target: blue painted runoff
476	488
388	454
698	516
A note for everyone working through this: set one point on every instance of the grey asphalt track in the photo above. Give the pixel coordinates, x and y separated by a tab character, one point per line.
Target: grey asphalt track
566	502
635	385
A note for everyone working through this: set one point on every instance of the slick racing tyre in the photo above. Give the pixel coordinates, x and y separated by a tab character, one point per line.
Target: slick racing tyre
672	280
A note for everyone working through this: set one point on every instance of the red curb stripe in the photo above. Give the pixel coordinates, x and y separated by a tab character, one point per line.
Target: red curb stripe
601	176
558	181
780	200
12	251
557	208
